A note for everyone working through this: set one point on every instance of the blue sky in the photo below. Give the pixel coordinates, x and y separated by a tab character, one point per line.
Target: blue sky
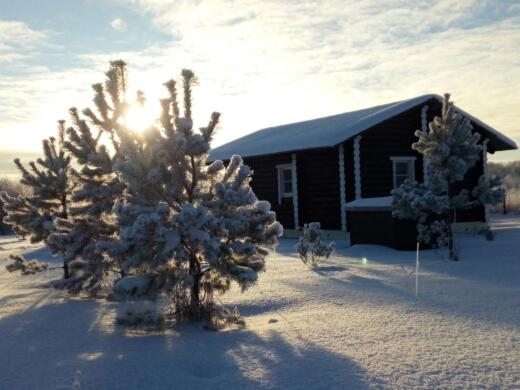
73	28
260	63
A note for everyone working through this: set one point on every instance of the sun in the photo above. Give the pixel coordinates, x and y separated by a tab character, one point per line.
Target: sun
140	117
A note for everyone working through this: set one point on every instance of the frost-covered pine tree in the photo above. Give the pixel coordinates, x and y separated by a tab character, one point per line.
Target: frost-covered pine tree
310	248
188	228
451	148
95	147
427	207
50	187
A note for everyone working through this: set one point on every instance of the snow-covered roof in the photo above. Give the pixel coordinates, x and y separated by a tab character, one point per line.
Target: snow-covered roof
328	131
367	204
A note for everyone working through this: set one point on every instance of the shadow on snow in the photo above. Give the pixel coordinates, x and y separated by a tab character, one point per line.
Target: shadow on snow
59	345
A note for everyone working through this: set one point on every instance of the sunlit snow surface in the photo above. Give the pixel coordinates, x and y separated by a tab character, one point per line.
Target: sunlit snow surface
352	323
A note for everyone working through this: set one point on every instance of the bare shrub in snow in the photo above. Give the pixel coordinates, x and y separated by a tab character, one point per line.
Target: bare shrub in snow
140	314
310	248
513	199
26	267
509	174
225	318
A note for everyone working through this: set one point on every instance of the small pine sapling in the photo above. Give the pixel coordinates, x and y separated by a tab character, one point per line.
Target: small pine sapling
451	148
310	248
91	218
50	187
187	226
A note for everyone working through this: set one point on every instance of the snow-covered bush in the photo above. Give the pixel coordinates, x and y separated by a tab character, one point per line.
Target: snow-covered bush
133	286
140	314
310	248
509	175
489	190
422	204
12	188
26	267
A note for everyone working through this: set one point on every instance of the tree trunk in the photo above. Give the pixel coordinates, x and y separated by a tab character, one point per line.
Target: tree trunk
451	220
451	245
64	212
195	289
66	273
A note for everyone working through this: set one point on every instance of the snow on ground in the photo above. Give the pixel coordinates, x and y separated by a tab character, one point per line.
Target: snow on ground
352	323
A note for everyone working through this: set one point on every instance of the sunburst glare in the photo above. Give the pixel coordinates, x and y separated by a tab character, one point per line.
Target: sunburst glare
140	117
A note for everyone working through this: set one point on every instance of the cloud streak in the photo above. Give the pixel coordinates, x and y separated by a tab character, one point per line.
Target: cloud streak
18	41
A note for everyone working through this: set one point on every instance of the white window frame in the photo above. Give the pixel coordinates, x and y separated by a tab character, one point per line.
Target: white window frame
280	169
399	159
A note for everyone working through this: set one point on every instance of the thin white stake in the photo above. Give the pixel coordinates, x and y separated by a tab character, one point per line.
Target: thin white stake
417	273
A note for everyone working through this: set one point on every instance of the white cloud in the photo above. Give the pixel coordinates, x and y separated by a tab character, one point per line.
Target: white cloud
118	24
31	105
18	41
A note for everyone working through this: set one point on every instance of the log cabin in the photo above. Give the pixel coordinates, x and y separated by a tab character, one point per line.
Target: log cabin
339	170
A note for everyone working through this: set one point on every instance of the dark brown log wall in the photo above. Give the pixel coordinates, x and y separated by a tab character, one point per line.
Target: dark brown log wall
318	186
318	179
392	137
265	185
378	227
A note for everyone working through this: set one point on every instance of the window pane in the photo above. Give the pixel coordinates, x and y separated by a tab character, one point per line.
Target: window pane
287	187
287	174
400	179
402	167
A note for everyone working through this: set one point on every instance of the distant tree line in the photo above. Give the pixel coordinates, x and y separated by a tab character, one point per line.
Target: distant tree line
509	174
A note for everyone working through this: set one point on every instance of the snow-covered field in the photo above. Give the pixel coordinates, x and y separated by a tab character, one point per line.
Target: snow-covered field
352	323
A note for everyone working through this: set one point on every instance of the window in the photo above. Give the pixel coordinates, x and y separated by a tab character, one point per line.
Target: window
285	181
403	168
